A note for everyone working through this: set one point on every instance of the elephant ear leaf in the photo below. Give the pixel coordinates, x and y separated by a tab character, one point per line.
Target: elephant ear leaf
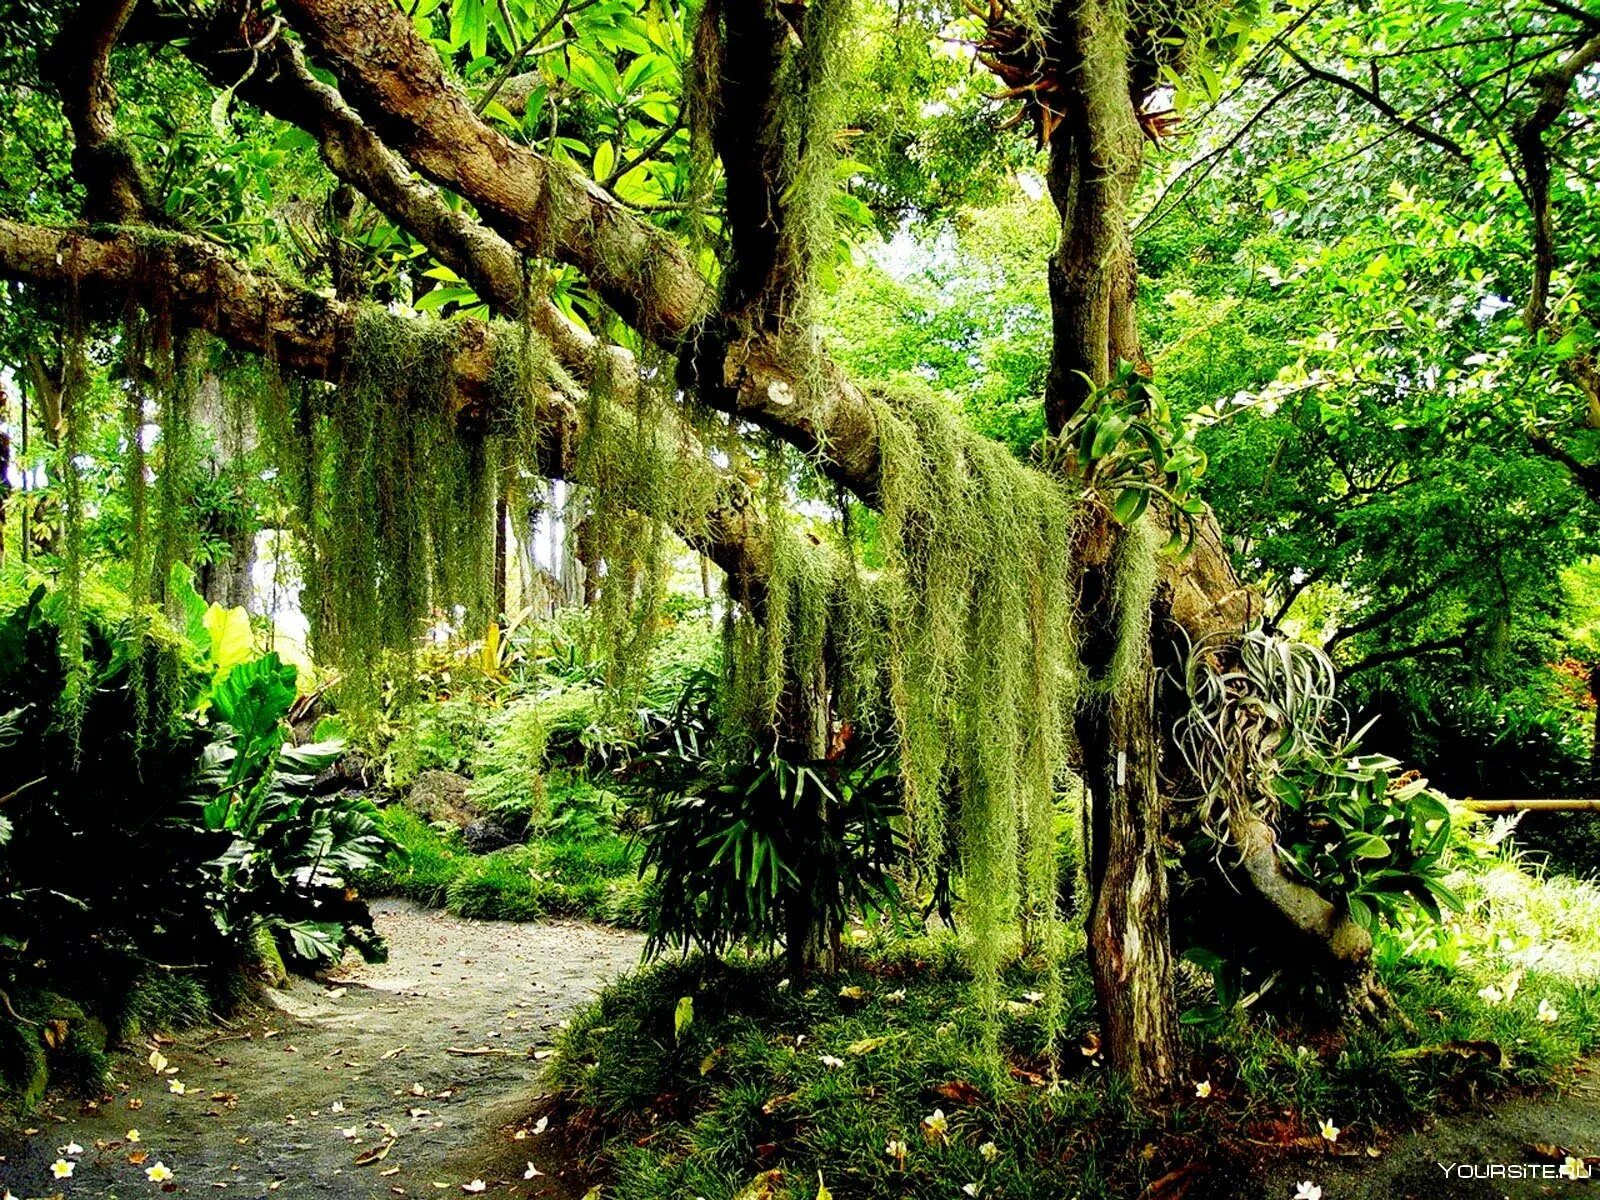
254	697
231	640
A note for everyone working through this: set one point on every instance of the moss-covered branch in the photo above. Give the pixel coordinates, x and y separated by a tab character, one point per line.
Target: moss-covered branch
200	285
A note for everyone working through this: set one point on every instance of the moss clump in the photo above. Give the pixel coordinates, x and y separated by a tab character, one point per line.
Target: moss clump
1134	575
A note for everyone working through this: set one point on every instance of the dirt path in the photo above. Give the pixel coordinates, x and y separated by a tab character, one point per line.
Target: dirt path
349	1090
285	1105
1521	1132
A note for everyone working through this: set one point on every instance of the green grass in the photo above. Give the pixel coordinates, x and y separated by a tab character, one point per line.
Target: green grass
595	877
746	1089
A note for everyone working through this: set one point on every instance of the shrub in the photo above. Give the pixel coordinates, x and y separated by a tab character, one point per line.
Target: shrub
749	847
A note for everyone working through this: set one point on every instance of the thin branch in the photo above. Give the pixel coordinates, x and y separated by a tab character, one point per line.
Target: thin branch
1210	160
516	60
1379	104
1458	641
644	155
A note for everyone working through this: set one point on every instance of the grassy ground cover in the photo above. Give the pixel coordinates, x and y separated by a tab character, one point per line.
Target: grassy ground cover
722	1079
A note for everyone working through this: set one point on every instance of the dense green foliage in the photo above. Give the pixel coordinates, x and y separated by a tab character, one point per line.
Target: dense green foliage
750	848
160	822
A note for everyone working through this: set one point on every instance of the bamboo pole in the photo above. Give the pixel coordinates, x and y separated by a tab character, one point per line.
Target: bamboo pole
1506	806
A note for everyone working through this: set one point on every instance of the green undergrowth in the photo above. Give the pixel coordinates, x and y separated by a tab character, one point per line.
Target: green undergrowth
593	877
768	1084
50	1040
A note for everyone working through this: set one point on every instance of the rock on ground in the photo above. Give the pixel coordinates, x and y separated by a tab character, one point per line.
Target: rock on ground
442	796
288	1102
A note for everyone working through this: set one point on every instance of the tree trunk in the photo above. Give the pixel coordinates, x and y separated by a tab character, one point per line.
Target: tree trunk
1129	937
1594	743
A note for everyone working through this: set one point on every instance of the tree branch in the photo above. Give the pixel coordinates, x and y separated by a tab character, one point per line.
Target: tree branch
1458	641
79	65
203	286
1554	86
1380	105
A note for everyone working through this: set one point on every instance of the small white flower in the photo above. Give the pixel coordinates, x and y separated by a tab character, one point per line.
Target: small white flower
176	1087
970	1189
159	1173
896	1149
989	1151
70	1149
532	1172
62	1169
829	1060
477	1185
1491	994
1548	1013
936	1123
157	1061
337	1106
133	1135
896	997
1330	1131
1574	1168
1308	1191
1202	1090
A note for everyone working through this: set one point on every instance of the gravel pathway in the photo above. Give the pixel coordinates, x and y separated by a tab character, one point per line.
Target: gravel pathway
353	1088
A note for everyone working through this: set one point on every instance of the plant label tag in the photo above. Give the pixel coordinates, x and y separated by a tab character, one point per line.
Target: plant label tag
1122	768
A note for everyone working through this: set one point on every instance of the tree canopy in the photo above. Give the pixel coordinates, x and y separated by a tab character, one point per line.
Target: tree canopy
1029	369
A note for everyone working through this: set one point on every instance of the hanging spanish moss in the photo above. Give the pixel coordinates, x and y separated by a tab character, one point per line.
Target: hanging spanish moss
74	416
135	345
984	663
777	682
635	491
812	86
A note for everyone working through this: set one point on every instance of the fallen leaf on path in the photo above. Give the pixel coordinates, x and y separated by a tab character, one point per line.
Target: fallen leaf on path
374	1154
477	1185
396	1052
959	1091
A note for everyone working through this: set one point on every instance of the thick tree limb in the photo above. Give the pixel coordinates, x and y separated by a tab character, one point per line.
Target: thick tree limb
397	81
1554	86
203	286
79	64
